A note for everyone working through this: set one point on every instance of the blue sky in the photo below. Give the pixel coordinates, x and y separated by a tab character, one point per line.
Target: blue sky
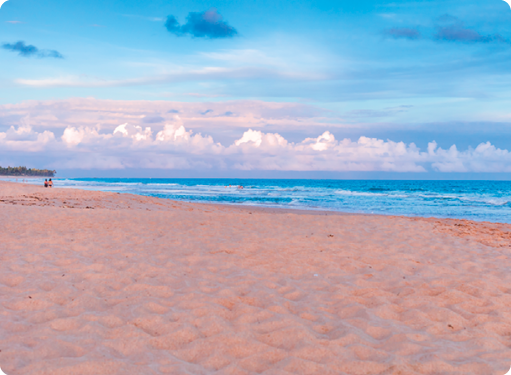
400	71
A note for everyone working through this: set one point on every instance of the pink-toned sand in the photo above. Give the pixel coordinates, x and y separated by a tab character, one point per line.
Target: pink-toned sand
98	283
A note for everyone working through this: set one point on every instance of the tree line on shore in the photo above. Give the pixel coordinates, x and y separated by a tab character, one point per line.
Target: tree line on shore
24	171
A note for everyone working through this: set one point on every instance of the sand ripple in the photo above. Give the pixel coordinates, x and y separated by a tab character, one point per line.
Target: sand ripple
110	284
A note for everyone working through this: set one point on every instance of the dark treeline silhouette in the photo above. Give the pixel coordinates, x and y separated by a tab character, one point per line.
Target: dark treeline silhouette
24	171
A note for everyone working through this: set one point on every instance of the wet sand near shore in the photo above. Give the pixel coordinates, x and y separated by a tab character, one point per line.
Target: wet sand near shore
108	283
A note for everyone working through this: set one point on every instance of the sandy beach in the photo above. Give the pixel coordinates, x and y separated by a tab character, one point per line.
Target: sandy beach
105	283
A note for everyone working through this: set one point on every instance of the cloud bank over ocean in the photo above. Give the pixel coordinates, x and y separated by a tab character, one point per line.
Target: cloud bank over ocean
61	136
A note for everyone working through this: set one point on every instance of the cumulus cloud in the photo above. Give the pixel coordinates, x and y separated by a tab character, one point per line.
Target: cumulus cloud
30	50
484	158
73	136
403	33
134	132
208	24
132	146
25	139
257	138
107	134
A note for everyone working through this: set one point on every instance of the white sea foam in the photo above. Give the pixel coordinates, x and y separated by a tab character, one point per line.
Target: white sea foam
436	196
156	184
359	193
364	194
490	201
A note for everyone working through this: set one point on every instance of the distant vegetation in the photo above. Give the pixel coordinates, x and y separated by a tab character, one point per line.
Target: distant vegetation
24	171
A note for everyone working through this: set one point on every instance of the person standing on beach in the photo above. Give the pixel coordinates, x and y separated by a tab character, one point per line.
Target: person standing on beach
50	183
45	182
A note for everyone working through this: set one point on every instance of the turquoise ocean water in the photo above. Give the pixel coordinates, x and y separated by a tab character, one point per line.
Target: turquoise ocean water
475	200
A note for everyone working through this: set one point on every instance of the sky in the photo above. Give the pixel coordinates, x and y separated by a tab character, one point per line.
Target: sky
217	88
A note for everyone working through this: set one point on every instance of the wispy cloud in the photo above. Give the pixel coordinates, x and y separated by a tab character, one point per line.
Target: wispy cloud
208	24
447	29
90	112
204	74
403	33
458	33
153	19
201	95
386	112
29	50
14	22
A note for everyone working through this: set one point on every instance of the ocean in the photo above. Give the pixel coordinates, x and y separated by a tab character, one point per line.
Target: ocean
474	200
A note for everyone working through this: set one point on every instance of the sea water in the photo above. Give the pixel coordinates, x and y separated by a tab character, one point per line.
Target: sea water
474	200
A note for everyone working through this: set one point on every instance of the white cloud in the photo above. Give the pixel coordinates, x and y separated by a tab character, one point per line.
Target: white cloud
112	134
269	151
73	136
173	133
484	158
258	139
131	146
322	142
24	139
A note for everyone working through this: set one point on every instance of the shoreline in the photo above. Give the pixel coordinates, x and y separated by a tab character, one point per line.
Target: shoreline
261	208
305	211
457	227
